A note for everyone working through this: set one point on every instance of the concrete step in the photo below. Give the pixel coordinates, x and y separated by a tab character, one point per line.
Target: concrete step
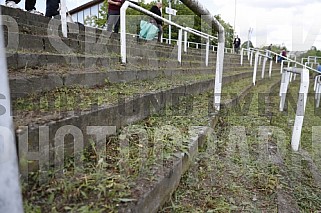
35	43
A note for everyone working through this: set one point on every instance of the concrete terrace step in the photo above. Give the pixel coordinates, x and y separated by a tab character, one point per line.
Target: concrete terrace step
33	81
30	83
48	44
37	25
75	32
23	60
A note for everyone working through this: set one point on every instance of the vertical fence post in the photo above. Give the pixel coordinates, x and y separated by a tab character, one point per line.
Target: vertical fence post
282	64
123	32
179	55
263	67
219	70
270	70
303	96
317	89
242	52
63	18
318	92
255	66
207	51
284	88
251	58
185	41
10	192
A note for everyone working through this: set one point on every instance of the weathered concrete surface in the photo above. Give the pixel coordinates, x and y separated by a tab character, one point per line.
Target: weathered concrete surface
125	112
23	86
162	190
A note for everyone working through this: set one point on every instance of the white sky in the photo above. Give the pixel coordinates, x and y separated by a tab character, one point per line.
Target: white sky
285	22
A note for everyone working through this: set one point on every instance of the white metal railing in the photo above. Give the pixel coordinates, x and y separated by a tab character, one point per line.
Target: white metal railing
257	61
301	104
10	192
314	58
199	45
200	10
317	89
180	32
287	74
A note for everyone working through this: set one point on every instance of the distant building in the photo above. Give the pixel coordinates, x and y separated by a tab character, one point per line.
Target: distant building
79	14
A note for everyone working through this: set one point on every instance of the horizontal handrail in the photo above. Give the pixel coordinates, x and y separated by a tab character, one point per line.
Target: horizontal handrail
161	18
288	59
212	37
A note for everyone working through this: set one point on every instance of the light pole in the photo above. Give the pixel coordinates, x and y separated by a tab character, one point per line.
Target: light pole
249	38
234	15
170	19
234	33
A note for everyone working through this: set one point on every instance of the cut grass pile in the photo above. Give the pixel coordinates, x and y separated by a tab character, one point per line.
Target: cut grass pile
250	167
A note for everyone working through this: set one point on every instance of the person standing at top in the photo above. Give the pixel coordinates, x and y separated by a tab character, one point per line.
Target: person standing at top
52	8
113	15
269	50
157	22
29	6
237	44
283	53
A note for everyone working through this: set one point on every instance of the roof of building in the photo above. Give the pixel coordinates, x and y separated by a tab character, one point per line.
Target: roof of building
85	6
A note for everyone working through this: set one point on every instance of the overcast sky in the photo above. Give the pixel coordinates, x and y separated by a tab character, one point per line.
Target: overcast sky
287	22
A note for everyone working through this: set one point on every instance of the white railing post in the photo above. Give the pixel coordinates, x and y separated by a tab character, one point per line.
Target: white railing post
284	88
270	70
255	66
63	15
207	51
219	69
318	92
263	67
185	41
282	64
242	52
10	192
251	59
317	89
179	55
303	96
123	53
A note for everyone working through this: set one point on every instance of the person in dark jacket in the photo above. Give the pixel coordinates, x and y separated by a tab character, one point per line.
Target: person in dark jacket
159	23
237	44
113	15
52	8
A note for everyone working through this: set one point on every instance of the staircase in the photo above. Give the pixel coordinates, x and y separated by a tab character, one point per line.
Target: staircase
69	85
